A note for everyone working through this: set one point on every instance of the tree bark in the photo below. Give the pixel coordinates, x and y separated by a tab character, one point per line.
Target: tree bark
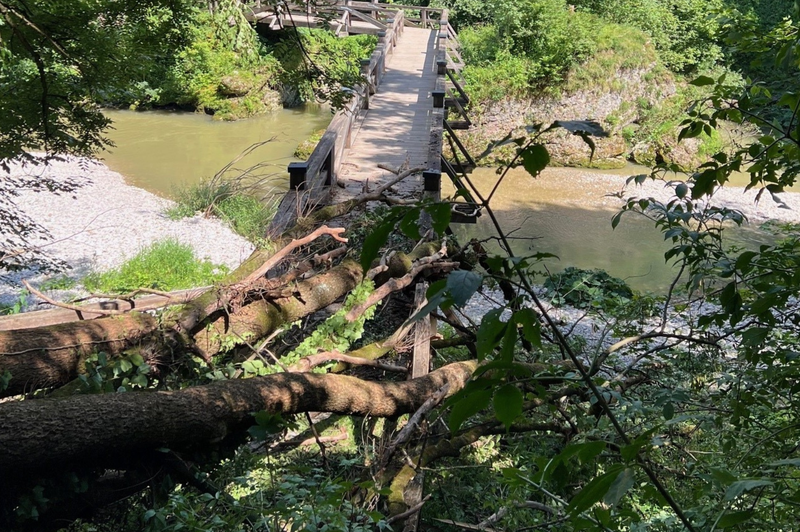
54	355
58	434
49	356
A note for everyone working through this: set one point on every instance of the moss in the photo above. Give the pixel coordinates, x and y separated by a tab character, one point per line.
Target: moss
306	148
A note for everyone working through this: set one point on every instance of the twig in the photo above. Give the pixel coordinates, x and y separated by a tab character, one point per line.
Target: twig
77	308
335	233
319	442
411	511
405	433
311	361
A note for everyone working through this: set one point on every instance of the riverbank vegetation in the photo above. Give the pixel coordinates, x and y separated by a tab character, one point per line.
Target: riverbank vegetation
165	265
225	68
624	64
61	60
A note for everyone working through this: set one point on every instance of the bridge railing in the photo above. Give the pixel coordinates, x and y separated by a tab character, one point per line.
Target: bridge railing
310	181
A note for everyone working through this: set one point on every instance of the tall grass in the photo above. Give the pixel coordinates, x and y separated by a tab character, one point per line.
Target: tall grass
164	265
233	195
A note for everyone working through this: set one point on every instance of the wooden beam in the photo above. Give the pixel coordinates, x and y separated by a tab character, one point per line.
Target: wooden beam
421	358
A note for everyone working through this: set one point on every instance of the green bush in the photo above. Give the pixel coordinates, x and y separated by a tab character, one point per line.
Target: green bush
530	44
164	265
616	48
683	31
224	71
200	197
324	65
306	148
586	288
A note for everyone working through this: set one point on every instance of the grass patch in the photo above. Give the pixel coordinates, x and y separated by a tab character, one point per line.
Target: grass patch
245	214
164	265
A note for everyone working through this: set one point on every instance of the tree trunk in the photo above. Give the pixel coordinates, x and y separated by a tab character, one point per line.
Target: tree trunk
54	355
49	434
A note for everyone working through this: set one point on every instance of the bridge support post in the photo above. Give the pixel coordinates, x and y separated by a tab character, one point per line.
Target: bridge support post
297	175
438	99
432	181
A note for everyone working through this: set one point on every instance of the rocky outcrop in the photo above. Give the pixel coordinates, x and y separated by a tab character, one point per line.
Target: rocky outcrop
618	107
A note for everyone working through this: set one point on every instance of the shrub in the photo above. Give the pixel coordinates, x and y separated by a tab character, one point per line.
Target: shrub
324	65
164	265
586	288
682	30
530	44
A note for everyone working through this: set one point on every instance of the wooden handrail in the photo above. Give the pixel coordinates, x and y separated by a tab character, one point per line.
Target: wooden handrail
310	182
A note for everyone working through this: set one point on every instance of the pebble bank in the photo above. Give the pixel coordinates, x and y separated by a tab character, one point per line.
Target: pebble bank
105	221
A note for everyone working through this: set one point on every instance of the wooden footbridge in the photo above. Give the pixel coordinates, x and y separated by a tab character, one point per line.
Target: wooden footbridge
397	117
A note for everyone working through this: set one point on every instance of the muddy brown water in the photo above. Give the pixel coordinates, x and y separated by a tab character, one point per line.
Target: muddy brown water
567	212
163	150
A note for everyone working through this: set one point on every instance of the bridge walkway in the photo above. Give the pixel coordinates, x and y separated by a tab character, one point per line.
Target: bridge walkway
396	128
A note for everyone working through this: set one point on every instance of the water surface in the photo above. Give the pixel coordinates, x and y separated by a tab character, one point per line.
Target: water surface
567	212
162	150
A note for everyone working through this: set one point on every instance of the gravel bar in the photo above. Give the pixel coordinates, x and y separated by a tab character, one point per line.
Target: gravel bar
105	221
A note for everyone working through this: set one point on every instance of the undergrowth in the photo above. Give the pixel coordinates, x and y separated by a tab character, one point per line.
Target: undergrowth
164	265
245	214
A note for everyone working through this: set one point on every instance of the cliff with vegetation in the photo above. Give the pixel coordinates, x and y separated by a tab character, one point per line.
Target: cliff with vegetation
623	65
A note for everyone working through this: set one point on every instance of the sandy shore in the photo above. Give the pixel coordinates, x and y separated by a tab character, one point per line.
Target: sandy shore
106	221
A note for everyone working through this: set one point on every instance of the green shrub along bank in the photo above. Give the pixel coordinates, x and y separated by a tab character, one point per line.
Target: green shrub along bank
622	63
217	63
323	65
164	265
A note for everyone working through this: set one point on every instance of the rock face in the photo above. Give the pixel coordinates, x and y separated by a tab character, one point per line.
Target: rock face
245	95
234	86
617	107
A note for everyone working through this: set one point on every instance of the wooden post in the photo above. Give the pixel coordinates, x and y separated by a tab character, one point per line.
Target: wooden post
297	175
421	359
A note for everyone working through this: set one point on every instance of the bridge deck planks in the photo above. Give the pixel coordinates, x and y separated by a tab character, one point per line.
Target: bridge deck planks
397	125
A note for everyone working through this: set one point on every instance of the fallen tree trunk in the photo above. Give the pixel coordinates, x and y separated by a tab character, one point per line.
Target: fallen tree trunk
52	356
52	434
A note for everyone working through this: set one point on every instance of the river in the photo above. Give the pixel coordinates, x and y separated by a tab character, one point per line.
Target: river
565	211
568	212
160	151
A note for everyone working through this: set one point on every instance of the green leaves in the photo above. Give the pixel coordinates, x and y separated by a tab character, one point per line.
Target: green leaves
622	483
507	404
702	81
462	284
467	407
595	491
407	220
742	486
535	158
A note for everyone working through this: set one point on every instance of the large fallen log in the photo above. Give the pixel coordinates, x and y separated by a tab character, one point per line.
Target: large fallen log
52	356
48	434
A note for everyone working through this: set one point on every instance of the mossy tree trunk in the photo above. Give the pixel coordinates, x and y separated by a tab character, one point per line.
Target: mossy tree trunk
59	434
